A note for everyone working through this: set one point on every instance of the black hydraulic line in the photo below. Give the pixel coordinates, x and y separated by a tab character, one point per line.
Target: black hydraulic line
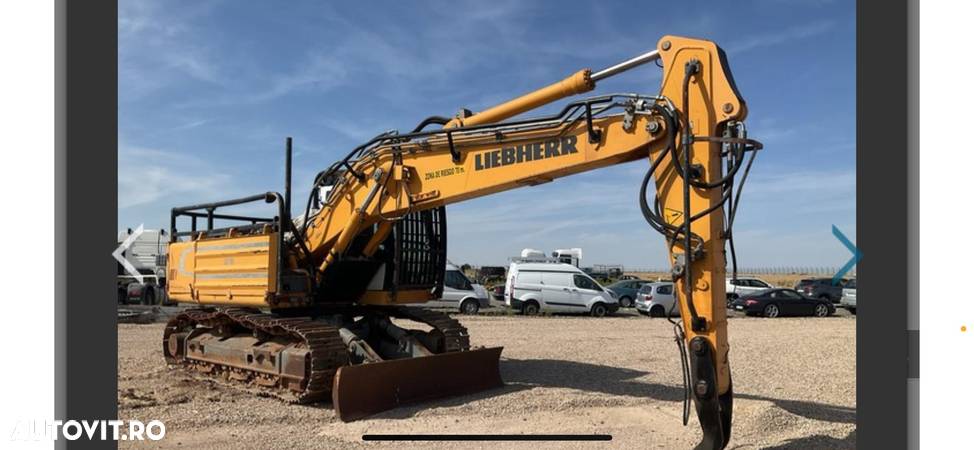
740	188
733	252
567	111
728	233
594	136
653	216
307	212
438	120
312	270
741	145
725	197
569	108
657	223
728	177
311	196
679	337
711	208
653	219
733	204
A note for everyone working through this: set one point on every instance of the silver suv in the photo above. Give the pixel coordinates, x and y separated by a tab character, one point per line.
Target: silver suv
459	293
656	299
742	286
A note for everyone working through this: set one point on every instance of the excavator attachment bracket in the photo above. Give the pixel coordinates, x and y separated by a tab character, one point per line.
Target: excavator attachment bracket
712	409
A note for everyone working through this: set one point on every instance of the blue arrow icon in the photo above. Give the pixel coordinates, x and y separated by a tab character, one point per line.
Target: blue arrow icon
856	255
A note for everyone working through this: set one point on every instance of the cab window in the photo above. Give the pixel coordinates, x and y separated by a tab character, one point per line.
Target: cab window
666	289
583	282
456	280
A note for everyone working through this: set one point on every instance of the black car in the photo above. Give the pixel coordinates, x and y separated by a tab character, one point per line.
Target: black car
821	288
782	302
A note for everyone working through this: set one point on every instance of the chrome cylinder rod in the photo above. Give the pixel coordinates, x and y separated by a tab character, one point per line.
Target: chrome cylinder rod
626	65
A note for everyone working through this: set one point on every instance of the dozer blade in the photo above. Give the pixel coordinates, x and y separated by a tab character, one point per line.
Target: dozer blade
367	389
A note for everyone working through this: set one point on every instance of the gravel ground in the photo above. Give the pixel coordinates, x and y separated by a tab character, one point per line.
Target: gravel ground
794	382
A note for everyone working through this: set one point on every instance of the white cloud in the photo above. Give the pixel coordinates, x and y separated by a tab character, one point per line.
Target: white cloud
190	125
146	176
320	72
156	46
822	183
758	40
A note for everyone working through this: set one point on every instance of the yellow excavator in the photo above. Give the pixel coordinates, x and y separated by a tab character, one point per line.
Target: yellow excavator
311	306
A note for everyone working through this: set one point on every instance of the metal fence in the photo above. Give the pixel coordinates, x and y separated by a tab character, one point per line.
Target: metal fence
824	271
777	270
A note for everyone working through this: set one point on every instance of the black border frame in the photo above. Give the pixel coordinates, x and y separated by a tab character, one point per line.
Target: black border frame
884	225
887	149
86	149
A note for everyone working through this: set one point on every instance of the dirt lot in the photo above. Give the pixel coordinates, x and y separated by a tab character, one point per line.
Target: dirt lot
794	381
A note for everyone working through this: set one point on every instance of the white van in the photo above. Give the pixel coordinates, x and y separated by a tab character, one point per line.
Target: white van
460	293
555	287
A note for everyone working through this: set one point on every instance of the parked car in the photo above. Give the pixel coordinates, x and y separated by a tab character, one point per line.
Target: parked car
821	288
490	274
626	291
782	302
849	296
656	299
498	292
737	287
604	272
555	287
460	293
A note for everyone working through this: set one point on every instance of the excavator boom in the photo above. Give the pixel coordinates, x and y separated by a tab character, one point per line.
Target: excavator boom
373	232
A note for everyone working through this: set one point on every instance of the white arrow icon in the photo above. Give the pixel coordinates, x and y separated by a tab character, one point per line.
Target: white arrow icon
117	254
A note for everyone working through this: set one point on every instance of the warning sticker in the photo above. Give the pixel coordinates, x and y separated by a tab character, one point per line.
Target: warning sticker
672	216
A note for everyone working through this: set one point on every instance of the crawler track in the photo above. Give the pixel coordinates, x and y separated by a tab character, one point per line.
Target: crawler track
327	351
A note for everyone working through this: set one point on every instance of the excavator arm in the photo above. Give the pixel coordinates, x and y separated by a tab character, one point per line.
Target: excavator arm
685	133
377	215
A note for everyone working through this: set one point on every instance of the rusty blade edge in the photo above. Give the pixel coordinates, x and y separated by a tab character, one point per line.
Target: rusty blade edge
363	390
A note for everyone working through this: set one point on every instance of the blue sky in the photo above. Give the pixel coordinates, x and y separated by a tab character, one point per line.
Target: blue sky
208	90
